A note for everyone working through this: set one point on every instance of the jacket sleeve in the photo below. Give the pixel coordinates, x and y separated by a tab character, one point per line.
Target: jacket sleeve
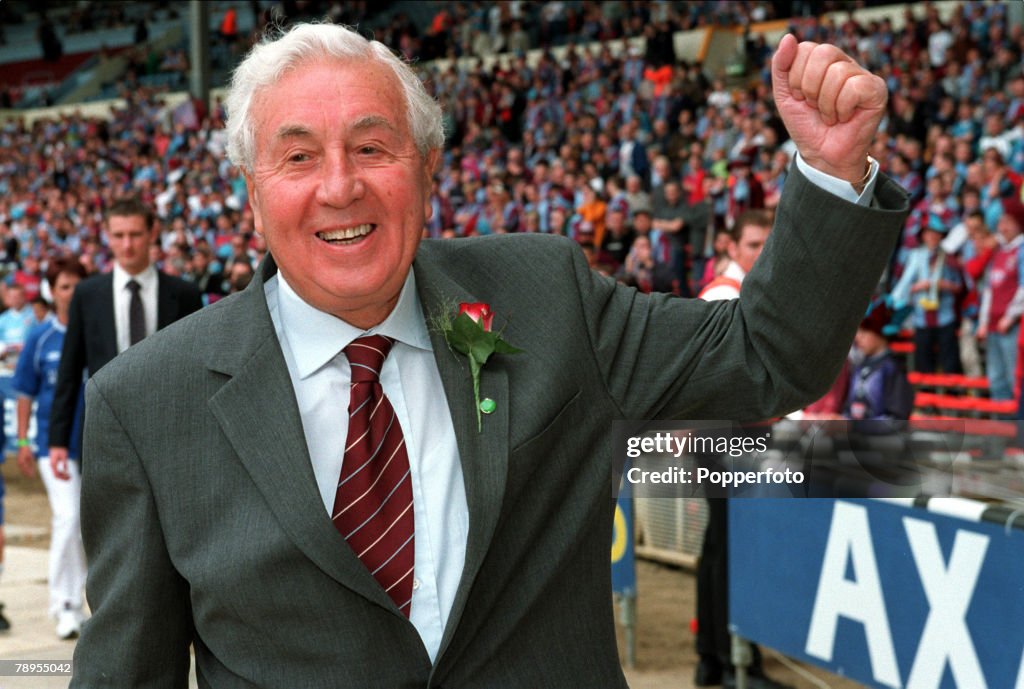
73	360
778	347
141	629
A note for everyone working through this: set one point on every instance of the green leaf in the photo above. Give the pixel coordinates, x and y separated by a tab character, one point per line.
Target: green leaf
467	330
464	334
458	346
502	347
481	351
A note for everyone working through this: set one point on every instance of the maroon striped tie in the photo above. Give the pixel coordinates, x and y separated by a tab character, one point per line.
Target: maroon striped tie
373	505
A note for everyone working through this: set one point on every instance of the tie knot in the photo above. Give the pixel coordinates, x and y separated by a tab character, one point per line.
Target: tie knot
366	356
133	286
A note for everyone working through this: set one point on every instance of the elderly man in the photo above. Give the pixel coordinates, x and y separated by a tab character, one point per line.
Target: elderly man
316	497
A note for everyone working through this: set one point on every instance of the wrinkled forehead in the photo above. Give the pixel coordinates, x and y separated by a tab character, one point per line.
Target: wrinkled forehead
340	73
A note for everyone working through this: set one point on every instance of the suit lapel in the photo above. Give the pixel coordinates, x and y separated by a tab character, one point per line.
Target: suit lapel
257	412
273	449
484	454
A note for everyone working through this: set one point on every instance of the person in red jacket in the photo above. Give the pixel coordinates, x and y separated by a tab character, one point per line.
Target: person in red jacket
985	243
1002	303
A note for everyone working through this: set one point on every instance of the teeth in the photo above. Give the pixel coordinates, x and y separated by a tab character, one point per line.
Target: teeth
348	233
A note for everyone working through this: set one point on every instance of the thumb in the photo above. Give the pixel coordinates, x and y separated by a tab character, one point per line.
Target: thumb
782	61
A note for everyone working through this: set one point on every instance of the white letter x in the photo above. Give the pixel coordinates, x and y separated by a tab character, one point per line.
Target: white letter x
949	591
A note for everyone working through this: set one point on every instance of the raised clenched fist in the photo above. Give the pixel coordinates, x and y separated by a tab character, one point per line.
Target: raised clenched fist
830	105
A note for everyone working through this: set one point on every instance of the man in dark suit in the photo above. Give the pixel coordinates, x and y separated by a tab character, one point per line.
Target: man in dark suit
230	511
111	312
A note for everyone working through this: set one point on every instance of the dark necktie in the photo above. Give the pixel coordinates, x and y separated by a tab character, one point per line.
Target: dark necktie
373	504
136	314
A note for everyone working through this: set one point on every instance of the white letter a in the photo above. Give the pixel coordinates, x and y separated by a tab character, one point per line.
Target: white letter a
849	540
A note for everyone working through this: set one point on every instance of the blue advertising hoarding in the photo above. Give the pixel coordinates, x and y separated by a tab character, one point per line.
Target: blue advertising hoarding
889	595
623	556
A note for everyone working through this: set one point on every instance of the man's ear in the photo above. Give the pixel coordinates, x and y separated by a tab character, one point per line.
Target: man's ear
430	163
732	249
254	201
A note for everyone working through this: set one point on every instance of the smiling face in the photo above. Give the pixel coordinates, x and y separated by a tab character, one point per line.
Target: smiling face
338	188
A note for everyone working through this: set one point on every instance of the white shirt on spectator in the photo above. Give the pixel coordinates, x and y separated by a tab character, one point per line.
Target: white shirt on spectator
938	43
147	279
724	292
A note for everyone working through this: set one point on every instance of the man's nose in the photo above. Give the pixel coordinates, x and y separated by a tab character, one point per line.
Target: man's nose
341	181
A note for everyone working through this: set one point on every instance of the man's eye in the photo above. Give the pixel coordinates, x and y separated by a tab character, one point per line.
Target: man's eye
368	150
298	157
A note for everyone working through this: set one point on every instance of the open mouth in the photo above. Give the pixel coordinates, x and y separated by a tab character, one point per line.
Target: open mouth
348	235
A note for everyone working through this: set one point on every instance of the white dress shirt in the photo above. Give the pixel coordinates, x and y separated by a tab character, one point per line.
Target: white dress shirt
840	187
312	342
147	280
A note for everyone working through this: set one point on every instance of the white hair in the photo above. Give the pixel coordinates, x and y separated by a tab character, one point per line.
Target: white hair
269	60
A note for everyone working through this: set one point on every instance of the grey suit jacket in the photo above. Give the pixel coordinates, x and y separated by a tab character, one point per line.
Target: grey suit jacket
203	523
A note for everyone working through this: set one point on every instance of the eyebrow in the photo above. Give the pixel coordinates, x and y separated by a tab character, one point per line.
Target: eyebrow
292	131
299	131
372	121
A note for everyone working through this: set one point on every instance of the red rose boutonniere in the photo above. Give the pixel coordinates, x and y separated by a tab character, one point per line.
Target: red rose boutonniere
470	333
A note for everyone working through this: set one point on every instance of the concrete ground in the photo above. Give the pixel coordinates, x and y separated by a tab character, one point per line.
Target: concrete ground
24	594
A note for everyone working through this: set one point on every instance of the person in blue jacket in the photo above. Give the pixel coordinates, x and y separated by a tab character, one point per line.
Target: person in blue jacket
879	389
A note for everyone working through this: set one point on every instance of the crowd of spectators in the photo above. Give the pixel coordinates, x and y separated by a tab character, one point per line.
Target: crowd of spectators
477	29
644	159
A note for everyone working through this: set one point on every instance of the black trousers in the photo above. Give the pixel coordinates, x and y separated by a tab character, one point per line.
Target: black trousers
935	347
713	639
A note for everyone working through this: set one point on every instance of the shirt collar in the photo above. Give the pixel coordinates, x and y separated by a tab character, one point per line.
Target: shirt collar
734	271
1012	244
316	337
121	277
